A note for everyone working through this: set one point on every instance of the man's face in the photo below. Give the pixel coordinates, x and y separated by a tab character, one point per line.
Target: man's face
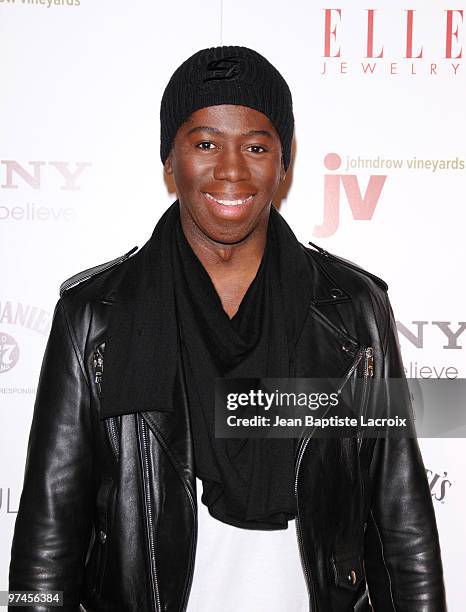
226	165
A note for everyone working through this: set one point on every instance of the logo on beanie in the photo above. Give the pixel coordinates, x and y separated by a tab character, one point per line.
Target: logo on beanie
224	69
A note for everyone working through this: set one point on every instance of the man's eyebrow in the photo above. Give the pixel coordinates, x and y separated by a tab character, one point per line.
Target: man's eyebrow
207	128
258	133
204	128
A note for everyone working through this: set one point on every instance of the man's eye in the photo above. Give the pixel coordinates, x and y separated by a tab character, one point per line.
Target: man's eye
257	147
201	146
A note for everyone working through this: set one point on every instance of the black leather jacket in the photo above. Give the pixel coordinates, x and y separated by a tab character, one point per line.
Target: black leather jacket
108	511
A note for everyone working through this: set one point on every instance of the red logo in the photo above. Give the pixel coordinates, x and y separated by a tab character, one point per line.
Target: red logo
408	48
333	18
362	205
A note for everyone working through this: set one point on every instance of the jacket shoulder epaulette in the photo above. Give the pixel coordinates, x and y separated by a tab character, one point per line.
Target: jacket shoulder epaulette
379	281
80	277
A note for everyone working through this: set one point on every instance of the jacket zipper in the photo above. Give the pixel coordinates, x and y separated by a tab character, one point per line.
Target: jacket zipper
368	372
98	368
360	354
149	513
111	423
304	562
87	274
184	604
185	598
368	354
113	435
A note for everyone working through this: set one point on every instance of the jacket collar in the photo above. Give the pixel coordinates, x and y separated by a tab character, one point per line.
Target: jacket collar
325	289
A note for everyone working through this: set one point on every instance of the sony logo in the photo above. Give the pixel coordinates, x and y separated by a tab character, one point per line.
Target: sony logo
449	333
14	174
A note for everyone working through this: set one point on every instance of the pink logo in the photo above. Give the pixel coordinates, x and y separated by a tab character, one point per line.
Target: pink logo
61	171
453	19
362	206
9	352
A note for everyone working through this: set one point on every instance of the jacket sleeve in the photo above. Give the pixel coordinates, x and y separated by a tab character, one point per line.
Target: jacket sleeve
402	552
53	524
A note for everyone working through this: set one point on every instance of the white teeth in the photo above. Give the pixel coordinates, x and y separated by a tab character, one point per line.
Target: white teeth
228	202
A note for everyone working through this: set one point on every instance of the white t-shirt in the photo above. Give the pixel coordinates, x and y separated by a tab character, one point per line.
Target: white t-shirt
246	570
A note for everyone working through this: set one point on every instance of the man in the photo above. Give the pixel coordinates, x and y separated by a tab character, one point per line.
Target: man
122	443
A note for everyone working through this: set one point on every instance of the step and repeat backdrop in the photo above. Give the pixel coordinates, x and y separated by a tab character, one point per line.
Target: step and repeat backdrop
378	175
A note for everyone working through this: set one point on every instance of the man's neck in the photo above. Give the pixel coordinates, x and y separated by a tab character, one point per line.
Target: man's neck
226	257
231	267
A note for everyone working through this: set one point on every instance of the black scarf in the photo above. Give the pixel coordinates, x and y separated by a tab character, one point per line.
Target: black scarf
247	483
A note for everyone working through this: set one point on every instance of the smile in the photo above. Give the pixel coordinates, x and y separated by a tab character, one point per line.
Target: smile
230	202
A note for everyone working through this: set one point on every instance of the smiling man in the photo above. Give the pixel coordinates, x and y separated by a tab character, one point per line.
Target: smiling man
130	502
227	165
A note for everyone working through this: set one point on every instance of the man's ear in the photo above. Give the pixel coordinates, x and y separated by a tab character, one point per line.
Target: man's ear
168	166
282	171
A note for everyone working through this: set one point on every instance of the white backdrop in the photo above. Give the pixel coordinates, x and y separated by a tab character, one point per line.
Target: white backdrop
379	174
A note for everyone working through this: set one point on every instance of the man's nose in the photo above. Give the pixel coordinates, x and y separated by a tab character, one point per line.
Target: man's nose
231	165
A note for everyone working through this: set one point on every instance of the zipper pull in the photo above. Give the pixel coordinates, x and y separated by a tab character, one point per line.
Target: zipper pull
320	249
98	368
369	362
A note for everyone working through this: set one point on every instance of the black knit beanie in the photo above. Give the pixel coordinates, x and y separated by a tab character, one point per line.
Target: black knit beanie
226	75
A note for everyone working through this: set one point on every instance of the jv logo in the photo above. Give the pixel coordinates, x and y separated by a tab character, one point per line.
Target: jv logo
362	206
223	70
